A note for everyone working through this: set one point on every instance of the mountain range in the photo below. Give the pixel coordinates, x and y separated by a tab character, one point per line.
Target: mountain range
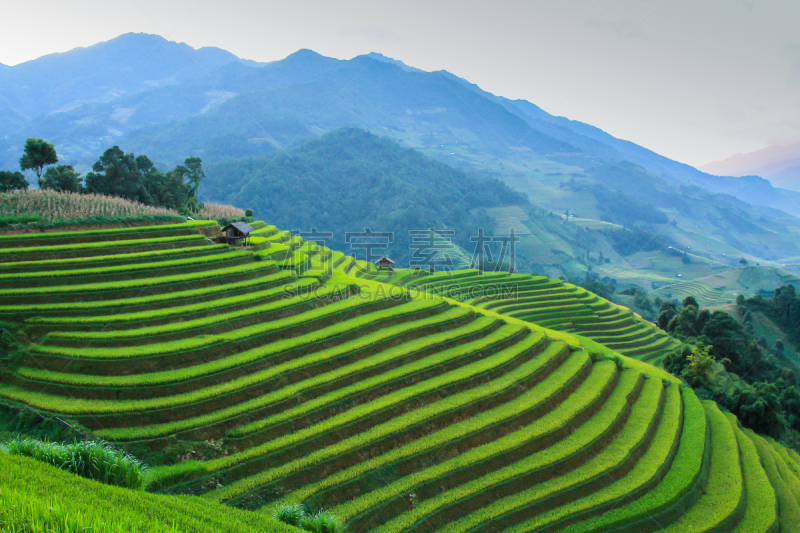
780	164
168	100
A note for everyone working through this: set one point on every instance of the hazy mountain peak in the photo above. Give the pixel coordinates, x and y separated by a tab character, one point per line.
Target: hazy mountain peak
305	54
780	164
128	64
383	59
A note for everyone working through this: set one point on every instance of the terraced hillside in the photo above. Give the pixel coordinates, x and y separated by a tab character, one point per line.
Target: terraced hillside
547	302
722	288
395	408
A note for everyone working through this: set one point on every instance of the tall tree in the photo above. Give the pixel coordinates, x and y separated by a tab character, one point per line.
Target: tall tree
10	181
37	154
117	174
61	178
165	190
194	174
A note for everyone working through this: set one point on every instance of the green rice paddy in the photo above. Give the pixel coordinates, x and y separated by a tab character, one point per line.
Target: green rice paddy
397	400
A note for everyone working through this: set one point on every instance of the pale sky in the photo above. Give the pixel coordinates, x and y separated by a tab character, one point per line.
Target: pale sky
694	80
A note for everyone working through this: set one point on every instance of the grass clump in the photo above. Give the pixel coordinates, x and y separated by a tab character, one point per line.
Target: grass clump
289	514
296	515
89	459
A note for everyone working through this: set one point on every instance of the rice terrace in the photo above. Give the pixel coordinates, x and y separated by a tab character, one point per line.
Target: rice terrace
325	382
250	286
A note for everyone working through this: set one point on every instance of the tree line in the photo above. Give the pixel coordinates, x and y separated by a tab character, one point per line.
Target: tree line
114	174
767	398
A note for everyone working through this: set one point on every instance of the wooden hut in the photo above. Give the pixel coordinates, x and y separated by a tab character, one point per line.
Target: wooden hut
384	263
237	232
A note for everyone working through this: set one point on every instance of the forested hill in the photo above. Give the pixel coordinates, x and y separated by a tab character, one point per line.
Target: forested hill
348	180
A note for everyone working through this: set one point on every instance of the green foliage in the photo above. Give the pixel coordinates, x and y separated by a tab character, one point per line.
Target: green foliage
641	302
783	308
19	219
224	221
248	212
699	367
136	178
631	241
352	180
604	290
12	181
322	522
289	514
757	407
780	479
37	154
61	178
89	459
768	400
667	312
106	273
296	515
311	400
9	342
19	512
118	174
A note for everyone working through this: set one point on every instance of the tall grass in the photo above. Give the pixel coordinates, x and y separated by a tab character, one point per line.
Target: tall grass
53	206
19	513
296	515
212	211
93	460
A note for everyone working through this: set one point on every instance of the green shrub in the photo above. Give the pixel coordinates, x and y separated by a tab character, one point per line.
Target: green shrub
24	218
93	460
322	522
289	514
296	515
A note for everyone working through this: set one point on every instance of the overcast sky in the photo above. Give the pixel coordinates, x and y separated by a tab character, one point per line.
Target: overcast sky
695	80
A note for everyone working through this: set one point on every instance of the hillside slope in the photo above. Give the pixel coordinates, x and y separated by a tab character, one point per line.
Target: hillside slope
549	303
351	181
39	497
396	409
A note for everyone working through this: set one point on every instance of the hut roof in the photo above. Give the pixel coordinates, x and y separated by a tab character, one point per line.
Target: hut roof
384	258
240	226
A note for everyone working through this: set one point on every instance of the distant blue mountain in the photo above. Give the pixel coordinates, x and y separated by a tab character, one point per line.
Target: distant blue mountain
128	64
168	100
